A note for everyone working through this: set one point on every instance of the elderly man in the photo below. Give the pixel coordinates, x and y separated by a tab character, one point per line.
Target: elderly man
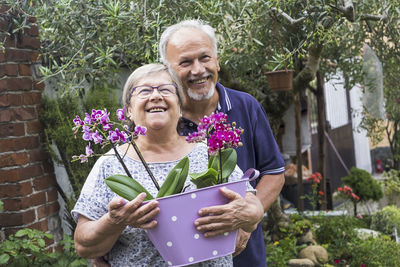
189	49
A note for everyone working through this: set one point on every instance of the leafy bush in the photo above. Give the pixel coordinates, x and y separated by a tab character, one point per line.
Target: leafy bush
386	219
280	252
363	185
337	232
57	117
28	248
392	182
374	252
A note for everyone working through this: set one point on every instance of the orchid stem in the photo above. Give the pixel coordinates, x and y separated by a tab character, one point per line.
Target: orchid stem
121	160
220	164
145	165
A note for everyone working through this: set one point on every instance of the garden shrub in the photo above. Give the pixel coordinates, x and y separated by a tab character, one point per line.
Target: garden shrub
57	117
392	184
386	219
337	232
28	248
374	252
363	185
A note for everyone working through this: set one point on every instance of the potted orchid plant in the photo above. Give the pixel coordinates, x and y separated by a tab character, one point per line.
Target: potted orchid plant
221	137
175	238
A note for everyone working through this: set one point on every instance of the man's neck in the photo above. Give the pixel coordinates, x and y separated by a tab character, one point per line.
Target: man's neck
195	110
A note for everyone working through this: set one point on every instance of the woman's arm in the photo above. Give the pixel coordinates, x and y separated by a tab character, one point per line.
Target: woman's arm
96	238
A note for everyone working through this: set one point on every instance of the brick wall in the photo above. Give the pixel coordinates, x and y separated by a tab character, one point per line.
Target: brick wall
27	180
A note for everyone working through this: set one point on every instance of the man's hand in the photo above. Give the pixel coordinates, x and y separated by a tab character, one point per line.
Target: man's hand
241	242
240	212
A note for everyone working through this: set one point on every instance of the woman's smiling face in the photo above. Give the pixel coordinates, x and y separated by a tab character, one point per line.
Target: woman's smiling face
156	112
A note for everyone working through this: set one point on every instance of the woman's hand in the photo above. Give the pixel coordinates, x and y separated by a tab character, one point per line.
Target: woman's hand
133	213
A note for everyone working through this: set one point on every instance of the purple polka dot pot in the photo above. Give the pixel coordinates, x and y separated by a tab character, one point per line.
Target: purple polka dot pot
175	235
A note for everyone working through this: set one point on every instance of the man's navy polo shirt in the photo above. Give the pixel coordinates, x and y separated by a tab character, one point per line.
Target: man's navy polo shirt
259	151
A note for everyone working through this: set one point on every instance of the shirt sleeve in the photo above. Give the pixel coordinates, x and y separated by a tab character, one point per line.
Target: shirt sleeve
95	195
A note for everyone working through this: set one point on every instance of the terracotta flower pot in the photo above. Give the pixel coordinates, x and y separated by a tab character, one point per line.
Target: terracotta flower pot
175	236
280	80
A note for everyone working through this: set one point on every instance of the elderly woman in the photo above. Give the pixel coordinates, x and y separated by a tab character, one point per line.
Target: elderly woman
105	222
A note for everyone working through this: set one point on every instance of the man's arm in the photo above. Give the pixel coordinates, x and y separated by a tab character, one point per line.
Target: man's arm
269	188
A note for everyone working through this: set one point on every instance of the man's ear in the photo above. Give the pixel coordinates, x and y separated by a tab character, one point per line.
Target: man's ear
218	67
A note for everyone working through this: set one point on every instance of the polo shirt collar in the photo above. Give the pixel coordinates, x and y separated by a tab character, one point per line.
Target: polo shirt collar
224	102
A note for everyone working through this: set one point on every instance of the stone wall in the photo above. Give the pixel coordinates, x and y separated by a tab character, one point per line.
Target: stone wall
27	181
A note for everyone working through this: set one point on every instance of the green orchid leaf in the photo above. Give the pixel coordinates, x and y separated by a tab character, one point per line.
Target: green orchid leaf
205	179
229	159
126	187
176	179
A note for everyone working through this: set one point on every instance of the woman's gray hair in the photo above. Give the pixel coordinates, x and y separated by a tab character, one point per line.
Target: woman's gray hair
197	24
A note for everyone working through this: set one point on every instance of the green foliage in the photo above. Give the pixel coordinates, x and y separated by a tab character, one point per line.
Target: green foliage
374	252
337	232
298	226
386	219
392	182
57	117
280	252
28	248
363	184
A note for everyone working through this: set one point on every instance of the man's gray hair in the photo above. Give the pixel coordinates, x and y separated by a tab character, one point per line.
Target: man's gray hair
197	24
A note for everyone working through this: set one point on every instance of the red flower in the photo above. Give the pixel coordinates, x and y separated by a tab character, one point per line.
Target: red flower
321	193
339	189
337	261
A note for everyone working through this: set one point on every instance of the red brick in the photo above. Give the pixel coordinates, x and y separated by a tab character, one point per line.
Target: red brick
37	85
40	183
16	84
33	98
11	129
17	114
17	218
52	195
20	174
2	56
48	209
6	115
25	114
42	225
10	175
7	100
33	127
38	155
30	171
3	23
22	203
47	167
7	160
29	43
15	190
9	70
33	31
17	55
25	70
19	143
34	56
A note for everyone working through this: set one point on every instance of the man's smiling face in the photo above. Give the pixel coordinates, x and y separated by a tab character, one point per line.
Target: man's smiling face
192	58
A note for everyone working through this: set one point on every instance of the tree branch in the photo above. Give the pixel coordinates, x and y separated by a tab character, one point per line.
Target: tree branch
293	22
367	17
307	74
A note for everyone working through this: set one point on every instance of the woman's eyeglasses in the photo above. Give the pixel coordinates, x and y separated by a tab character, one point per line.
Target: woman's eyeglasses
145	91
